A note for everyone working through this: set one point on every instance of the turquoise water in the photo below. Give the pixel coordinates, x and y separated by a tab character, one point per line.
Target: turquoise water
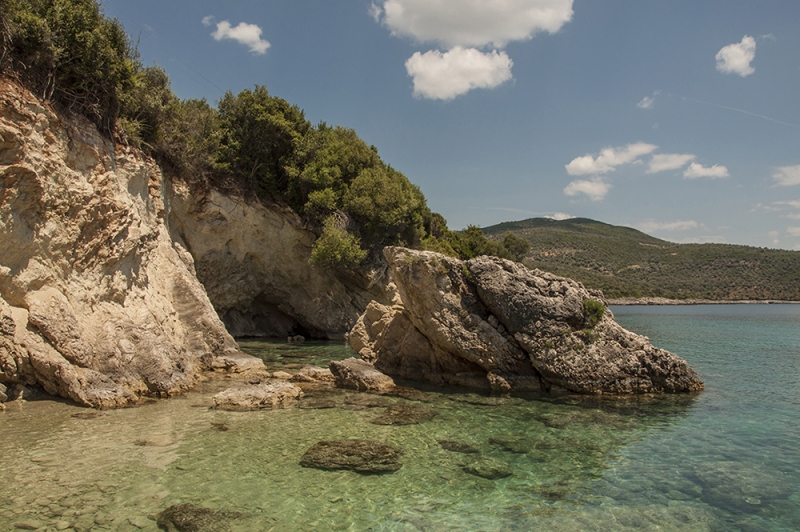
725	459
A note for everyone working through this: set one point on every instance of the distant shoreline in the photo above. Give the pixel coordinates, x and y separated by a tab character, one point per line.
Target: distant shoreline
628	301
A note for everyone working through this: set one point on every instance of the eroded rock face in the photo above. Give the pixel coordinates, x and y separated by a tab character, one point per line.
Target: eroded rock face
495	324
253	262
98	302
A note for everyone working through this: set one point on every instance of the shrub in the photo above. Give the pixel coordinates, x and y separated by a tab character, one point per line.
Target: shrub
593	311
336	248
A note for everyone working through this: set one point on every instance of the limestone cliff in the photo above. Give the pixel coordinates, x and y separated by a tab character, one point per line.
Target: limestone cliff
492	323
253	261
99	301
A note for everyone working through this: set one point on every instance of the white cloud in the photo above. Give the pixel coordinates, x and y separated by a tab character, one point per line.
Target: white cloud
443	76
790	203
244	33
735	58
793	216
646	103
787	175
669	161
697	170
596	188
560	216
472	22
651	226
208	20
608	159
794	231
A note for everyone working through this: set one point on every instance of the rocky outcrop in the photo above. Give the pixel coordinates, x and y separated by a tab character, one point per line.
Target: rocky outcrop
99	301
253	261
492	323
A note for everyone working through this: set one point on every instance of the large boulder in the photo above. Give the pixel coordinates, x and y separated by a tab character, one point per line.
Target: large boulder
495	324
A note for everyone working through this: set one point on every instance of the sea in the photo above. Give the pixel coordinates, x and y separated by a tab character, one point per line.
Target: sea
724	459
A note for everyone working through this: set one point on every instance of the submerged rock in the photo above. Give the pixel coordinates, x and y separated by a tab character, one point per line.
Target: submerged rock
458	447
191	518
404	415
360	375
487	467
495	324
258	396
363	456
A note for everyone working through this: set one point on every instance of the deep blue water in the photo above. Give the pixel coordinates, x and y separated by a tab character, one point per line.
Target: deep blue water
725	459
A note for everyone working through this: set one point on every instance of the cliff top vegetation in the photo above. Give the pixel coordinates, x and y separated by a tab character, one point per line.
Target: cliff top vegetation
252	143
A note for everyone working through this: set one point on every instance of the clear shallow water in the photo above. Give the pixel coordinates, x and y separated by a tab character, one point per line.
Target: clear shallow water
725	459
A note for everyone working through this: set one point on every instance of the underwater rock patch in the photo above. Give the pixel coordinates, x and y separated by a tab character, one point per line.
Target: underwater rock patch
489	468
404	415
191	518
362	456
458	447
513	443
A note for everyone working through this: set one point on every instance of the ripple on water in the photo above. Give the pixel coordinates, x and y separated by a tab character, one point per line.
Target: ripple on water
671	463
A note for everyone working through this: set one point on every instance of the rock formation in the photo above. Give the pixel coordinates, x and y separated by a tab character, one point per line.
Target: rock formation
253	261
99	301
492	323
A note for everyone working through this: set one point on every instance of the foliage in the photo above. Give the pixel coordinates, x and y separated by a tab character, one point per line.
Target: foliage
68	52
336	248
517	246
260	134
624	262
593	311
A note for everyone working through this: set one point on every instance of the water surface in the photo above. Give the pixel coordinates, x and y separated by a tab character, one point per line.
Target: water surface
725	459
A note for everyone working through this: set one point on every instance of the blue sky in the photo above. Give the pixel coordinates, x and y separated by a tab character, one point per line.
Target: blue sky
679	118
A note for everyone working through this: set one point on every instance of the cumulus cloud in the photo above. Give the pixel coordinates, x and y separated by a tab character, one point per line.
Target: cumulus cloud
794	231
697	170
560	216
787	175
595	188
243	33
475	23
608	159
669	161
736	58
651	226
443	76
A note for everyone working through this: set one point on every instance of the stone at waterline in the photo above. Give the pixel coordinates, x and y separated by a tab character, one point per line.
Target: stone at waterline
404	415
359	375
258	396
458	447
309	373
188	517
362	456
487	467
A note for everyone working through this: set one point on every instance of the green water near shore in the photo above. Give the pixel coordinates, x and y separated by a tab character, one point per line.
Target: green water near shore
725	459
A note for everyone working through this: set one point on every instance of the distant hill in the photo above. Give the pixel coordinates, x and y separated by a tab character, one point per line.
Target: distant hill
624	262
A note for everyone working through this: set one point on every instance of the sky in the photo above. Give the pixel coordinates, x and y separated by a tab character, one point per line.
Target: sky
679	118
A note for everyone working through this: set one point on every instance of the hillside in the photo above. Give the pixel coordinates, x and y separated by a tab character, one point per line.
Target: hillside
624	262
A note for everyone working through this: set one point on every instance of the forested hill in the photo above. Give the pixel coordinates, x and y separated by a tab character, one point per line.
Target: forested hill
624	262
